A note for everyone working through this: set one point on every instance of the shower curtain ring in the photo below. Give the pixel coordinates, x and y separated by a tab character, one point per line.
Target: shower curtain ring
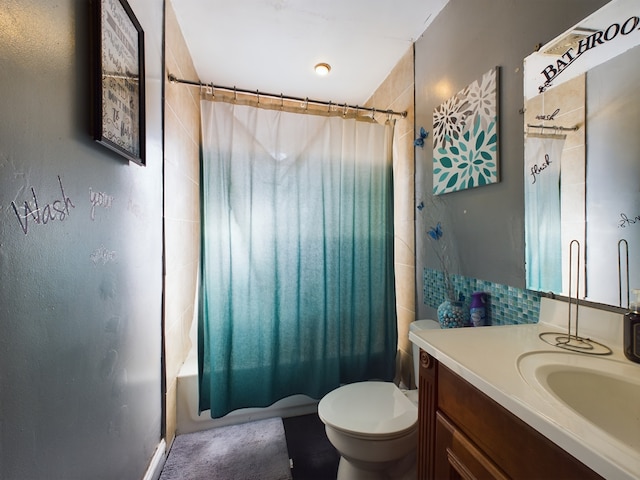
281	100
373	113
258	96
344	112
235	94
329	107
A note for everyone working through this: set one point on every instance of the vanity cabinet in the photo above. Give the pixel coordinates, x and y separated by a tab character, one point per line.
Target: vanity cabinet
464	434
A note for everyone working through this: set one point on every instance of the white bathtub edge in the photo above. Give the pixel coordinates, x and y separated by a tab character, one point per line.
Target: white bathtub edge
188	420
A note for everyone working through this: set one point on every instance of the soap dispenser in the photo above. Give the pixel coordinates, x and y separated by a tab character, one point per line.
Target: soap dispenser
632	329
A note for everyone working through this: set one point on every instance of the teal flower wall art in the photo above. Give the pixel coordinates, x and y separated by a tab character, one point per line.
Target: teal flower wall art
465	137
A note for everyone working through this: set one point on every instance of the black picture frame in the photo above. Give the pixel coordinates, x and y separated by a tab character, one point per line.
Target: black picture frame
119	95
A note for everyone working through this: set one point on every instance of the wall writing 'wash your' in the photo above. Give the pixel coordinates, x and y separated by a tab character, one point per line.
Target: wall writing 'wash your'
34	211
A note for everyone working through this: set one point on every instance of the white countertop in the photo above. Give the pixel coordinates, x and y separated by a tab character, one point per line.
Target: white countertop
487	358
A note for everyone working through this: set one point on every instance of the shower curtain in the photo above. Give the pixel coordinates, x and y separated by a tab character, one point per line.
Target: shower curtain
297	255
543	228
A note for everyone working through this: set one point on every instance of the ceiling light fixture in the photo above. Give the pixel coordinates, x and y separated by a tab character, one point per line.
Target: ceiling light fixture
322	69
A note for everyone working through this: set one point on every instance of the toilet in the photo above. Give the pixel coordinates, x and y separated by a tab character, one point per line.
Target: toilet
374	425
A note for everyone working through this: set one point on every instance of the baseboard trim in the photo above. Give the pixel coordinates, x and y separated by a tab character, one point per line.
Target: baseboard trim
157	462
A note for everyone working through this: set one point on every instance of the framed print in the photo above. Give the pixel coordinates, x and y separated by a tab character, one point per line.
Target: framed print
119	81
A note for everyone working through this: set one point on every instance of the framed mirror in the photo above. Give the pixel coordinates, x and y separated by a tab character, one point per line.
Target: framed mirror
582	159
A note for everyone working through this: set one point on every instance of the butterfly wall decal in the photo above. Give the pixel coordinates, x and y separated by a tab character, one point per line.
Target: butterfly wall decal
435	232
419	142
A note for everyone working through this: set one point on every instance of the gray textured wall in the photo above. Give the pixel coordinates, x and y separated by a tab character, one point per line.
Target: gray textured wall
466	40
80	291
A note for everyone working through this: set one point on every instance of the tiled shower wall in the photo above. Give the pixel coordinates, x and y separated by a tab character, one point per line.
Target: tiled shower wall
181	210
397	93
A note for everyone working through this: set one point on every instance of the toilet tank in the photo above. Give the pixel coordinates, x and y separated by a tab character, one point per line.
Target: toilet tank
415	327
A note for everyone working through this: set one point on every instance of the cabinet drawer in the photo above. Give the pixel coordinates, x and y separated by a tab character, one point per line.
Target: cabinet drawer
457	457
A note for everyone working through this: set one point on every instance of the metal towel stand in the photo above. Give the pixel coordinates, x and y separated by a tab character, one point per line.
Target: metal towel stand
569	341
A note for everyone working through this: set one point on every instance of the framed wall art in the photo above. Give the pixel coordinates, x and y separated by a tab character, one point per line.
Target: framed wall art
465	137
119	96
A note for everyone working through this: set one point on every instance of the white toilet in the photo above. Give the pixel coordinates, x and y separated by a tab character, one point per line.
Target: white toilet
373	425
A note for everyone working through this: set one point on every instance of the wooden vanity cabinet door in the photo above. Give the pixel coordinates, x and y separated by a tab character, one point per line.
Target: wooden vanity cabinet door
458	458
519	450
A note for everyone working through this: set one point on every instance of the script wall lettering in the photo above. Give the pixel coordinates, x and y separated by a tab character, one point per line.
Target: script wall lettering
102	256
627	221
58	209
549	117
538	169
99	199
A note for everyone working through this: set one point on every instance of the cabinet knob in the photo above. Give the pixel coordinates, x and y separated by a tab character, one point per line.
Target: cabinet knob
425	359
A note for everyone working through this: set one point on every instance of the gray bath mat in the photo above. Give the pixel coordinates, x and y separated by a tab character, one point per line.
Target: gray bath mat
251	451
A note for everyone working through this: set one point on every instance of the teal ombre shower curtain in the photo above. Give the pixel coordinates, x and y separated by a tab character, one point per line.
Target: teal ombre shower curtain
298	288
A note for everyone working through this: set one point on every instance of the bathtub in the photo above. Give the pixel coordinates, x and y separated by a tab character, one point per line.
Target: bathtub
187	417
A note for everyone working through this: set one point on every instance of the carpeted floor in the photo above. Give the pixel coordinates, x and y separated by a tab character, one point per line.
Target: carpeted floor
252	451
314	458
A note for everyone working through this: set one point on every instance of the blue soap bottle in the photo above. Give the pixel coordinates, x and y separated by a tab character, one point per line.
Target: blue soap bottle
477	309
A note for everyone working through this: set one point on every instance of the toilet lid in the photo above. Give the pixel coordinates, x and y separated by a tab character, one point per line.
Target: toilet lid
369	408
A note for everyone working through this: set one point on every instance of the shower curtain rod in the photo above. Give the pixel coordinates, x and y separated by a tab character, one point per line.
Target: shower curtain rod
306	101
552	127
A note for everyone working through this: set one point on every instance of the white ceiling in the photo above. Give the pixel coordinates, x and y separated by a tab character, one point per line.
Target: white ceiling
273	45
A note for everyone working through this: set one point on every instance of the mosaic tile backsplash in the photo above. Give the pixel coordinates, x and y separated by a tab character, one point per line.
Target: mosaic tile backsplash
505	305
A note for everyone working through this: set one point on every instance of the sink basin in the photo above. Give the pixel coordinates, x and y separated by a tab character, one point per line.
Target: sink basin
603	391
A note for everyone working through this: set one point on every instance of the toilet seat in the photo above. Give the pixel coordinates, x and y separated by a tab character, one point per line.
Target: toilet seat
369	410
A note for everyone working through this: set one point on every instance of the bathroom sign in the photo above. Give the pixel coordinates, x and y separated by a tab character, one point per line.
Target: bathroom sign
597	41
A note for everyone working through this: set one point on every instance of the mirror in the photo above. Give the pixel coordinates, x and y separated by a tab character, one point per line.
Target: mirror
582	158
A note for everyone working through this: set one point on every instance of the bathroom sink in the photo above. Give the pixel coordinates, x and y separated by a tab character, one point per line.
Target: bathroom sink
601	390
